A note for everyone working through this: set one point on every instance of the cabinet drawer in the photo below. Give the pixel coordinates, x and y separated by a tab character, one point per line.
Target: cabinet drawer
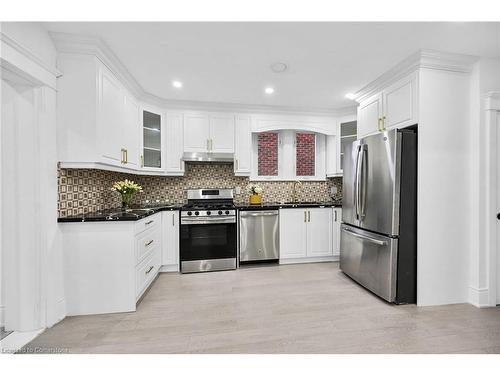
146	242
149	222
147	270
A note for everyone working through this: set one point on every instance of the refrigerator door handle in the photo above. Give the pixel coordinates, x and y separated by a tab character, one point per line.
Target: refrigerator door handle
357	185
362	183
364	237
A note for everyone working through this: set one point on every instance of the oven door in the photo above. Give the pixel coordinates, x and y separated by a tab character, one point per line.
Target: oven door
208	245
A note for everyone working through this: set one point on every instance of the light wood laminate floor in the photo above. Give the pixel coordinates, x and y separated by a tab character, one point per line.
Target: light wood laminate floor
306	308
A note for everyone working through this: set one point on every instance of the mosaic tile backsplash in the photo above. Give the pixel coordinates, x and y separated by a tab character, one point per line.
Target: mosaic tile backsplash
87	190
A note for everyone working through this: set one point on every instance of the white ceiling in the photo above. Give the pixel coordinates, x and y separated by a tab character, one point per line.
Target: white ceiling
230	62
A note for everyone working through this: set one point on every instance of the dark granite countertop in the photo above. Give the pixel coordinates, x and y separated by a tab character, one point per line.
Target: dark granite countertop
135	213
277	205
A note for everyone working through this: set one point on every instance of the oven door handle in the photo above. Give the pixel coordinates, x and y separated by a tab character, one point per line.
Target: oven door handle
210	221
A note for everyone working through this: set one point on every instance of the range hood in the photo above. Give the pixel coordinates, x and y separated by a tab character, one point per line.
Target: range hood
208	157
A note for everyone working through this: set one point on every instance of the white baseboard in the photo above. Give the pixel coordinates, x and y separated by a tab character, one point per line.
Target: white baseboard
309	260
16	340
479	297
170	268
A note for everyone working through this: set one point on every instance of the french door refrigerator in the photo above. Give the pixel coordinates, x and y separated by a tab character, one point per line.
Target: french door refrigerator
379	214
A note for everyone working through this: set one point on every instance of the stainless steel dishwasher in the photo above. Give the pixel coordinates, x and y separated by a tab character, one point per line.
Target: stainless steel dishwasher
259	235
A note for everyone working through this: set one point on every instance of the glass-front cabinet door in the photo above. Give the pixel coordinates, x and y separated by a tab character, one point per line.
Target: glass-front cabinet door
151	141
348	134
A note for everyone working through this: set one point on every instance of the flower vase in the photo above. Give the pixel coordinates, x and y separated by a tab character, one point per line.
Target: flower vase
255	199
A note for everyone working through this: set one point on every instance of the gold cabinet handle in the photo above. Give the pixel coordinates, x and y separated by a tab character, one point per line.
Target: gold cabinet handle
142	161
149	242
383	122
379	121
305	216
236	164
150	269
335	215
123	156
173	220
309	216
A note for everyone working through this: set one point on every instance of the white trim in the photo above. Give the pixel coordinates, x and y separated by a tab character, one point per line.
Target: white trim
113	168
334	258
20	61
428	59
16	340
479	297
169	268
88	45
492	106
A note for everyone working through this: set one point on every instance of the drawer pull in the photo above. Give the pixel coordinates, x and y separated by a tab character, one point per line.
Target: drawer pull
149	242
150	222
150	269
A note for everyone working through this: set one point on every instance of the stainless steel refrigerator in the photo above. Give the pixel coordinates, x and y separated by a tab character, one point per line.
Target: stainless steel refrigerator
379	214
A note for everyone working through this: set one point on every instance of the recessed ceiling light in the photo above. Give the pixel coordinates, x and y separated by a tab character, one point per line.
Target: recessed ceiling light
177	84
279	67
350	96
269	90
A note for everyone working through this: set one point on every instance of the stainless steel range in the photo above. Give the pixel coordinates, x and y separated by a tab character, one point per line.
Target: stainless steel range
208	238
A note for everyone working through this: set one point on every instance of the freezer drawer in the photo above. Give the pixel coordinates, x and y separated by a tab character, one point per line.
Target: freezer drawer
370	259
259	235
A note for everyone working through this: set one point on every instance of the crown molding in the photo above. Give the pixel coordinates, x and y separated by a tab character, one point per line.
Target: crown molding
88	45
422	59
492	101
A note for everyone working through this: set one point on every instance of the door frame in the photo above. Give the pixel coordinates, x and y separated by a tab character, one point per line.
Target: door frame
492	128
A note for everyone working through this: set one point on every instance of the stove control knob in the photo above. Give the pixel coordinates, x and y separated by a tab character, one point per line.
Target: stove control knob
220	212
227	212
196	213
189	213
209	213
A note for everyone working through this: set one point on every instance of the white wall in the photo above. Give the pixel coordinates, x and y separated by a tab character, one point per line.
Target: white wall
32	275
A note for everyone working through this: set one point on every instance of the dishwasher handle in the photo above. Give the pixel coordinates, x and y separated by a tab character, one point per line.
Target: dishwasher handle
258	214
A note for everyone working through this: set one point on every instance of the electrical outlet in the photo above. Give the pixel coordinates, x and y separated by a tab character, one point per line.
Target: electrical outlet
237	190
334	190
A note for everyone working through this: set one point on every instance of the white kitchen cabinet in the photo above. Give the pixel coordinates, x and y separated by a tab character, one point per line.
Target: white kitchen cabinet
152	139
97	118
319	232
370	115
196	132
393	107
170	251
305	235
204	132
332	151
400	103
222	133
174	135
242	145
109	265
337	219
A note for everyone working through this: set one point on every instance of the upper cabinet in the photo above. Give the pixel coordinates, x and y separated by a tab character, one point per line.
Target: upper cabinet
207	132
152	130
97	118
335	145
393	107
242	145
174	135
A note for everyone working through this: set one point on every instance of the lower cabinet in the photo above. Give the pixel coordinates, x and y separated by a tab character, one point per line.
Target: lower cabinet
337	219
109	265
307	235
170	251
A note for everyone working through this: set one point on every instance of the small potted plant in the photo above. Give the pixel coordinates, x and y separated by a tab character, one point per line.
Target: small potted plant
127	189
255	192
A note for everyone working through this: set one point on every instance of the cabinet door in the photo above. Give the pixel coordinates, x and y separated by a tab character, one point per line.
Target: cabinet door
222	133
369	114
337	215
400	102
131	131
319	232
111	118
174	144
196	133
242	146
170	251
293	238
